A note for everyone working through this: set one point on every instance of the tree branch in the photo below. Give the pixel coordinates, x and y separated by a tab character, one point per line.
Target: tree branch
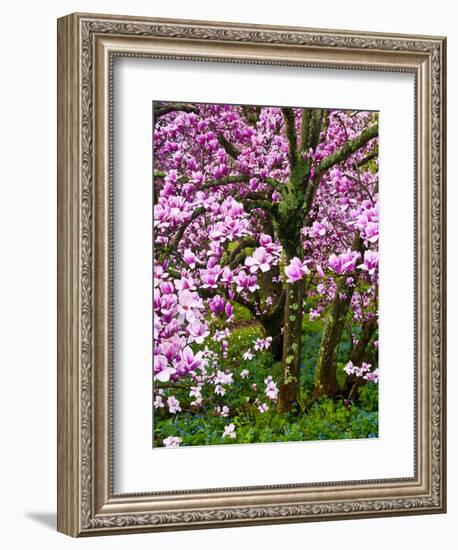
315	128
179	234
225	181
163	109
359	181
348	149
305	129
265	205
338	156
230	149
238	250
251	114
290	125
242	178
272	182
367	159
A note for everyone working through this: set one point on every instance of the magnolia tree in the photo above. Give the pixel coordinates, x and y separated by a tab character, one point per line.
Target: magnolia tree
270	209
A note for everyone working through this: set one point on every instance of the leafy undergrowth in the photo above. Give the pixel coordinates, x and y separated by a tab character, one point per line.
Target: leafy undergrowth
325	419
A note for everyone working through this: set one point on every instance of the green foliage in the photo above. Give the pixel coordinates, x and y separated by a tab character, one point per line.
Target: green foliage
368	397
326	419
241	313
311	338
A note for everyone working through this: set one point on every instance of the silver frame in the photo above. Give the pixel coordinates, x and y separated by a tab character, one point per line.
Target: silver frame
87	45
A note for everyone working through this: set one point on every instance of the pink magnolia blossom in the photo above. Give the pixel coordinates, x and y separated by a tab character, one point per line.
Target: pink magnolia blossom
190	360
190	258
317	229
210	277
188	305
370	262
229	310
217	304
296	270
170	349
246	282
163	371
260	260
226	276
270	246
215	250
166	288
344	262
185	283
161	216
198	331
371	232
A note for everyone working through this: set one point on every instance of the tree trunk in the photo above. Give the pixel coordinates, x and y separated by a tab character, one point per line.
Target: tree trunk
325	373
291	359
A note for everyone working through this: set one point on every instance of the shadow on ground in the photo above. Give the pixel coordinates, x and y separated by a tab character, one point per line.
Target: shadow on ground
47	519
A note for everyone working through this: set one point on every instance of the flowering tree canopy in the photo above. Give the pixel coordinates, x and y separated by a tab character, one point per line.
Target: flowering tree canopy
272	212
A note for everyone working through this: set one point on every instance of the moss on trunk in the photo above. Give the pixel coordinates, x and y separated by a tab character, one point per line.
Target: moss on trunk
325	374
291	357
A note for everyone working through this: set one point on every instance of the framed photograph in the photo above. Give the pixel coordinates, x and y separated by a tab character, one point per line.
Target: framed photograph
251	290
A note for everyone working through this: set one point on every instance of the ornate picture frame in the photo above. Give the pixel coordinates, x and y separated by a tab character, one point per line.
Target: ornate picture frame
87	46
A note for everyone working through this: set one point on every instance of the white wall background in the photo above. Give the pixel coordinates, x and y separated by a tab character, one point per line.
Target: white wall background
28	272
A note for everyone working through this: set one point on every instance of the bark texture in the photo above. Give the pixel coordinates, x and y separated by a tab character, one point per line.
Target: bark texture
291	357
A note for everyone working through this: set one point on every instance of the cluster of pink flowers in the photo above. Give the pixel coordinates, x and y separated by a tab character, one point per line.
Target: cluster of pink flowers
262	343
178	322
214	248
364	371
366	220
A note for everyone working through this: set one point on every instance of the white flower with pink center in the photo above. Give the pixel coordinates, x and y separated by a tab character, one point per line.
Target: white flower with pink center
172	442
229	431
